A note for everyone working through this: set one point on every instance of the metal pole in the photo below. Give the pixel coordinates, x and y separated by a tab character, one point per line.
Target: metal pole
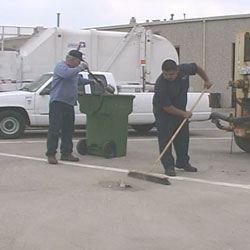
2	45
58	19
204	44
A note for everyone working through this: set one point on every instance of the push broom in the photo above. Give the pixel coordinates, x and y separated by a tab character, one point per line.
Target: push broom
159	178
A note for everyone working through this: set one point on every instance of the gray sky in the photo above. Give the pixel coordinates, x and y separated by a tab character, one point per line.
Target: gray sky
93	13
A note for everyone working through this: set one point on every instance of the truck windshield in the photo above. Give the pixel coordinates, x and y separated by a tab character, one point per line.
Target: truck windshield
34	86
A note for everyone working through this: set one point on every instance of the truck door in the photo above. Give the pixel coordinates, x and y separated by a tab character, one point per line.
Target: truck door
41	111
42	108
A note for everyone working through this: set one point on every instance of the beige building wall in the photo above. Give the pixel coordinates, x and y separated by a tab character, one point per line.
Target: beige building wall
206	41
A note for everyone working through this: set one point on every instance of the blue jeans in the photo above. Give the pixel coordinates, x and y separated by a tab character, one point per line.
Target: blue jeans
166	127
61	124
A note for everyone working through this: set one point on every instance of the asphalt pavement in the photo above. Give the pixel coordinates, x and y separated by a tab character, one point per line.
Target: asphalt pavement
94	205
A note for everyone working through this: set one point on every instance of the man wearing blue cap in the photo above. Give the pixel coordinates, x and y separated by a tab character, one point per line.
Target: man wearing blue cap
63	98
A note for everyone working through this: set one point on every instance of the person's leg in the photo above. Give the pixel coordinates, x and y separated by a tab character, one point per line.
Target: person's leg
165	131
67	130
67	134
181	145
55	123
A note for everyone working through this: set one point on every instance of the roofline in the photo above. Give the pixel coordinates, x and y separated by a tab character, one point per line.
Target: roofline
164	22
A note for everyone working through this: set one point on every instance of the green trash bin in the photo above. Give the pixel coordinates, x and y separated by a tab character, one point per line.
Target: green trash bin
107	124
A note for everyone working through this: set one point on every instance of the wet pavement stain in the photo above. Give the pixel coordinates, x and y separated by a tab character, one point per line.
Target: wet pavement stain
118	185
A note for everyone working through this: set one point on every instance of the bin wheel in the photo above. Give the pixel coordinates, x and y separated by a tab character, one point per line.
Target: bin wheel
109	149
81	147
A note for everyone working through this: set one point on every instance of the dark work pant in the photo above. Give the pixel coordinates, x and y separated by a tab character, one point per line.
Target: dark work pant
61	124
166	127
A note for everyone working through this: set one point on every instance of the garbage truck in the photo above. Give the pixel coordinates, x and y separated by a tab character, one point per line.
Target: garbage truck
134	58
239	120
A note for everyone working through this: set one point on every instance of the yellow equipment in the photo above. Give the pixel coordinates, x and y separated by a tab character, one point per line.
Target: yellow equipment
239	122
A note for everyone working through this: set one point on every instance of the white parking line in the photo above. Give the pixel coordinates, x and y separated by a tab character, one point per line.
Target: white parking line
210	138
126	171
138	139
20	142
66	163
192	138
218	183
205	129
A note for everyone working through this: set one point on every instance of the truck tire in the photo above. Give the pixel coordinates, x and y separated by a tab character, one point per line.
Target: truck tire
81	147
243	143
144	128
12	124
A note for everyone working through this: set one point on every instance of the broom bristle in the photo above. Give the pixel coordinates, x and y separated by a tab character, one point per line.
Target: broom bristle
149	177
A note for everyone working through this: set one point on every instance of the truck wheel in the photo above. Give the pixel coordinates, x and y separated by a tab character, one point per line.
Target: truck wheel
109	149
81	147
144	128
243	143
12	124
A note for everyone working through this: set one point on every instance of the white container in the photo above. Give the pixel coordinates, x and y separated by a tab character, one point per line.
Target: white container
118	52
134	57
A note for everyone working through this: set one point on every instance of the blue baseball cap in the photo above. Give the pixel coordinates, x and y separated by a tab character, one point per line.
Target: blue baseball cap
76	53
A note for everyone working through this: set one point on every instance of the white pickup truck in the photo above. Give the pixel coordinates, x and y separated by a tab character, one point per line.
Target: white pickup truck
29	106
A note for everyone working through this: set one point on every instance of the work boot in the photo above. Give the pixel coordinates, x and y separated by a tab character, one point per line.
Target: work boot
69	158
187	168
170	171
52	159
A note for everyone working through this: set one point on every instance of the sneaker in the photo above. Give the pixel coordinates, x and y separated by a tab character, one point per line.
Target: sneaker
170	172
187	168
69	158
52	160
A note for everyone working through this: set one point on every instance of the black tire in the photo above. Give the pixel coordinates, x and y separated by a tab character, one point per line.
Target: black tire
143	128
109	149
81	147
12	124
243	143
